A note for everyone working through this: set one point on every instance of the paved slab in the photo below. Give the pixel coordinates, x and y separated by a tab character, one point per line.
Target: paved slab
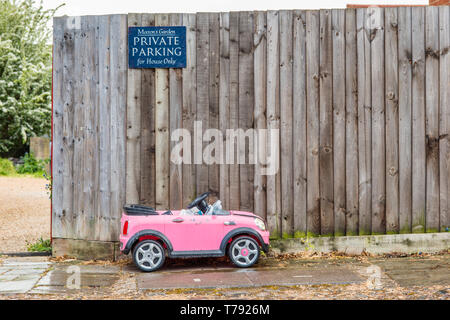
20	276
417	272
91	276
247	278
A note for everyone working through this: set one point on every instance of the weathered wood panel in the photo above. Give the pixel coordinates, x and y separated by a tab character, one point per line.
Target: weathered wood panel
351	125
338	90
147	147
418	120
444	116
432	58
391	94
103	212
224	105
214	71
404	121
175	122
189	106
312	122
364	122
378	121
287	201
134	96
299	122
202	113
246	105
259	60
234	108
273	116
162	137
326	124
58	213
118	78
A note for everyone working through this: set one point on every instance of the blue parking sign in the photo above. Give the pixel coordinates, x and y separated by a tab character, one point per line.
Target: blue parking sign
157	47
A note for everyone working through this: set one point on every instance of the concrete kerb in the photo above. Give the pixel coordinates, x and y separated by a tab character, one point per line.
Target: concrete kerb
374	244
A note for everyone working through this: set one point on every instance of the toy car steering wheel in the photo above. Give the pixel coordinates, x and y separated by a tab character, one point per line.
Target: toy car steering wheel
200	202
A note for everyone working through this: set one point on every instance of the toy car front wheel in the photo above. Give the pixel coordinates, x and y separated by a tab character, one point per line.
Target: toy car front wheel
244	252
148	255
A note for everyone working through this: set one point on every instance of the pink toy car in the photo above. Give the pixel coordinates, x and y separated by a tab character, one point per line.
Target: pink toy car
200	231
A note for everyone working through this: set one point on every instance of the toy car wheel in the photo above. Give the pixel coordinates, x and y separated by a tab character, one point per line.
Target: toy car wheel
244	252
148	255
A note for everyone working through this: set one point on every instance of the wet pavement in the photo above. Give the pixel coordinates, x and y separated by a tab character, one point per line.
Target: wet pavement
41	276
225	278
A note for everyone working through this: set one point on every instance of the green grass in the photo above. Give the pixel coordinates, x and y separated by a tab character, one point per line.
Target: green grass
40	246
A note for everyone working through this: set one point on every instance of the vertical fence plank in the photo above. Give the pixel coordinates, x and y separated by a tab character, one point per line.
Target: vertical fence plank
246	107
418	120
68	83
224	104
214	70
189	106
162	138
259	43
364	122
234	107
78	133
444	116
404	118
326	125
339	145
312	124
432	117
147	147
287	201
175	122
273	114
118	85
103	212
59	48
69	88
202	95
391	97
351	124
299	122
378	122
133	152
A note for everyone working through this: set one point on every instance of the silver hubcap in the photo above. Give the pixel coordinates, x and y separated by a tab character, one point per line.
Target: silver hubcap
148	256
245	252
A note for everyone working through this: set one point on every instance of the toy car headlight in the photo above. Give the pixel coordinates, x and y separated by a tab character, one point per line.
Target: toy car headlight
260	224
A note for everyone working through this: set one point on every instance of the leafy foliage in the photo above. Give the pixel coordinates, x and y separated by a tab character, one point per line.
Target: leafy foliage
31	165
6	168
40	246
25	74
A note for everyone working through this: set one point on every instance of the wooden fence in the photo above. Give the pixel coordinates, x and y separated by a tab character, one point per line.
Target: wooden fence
360	96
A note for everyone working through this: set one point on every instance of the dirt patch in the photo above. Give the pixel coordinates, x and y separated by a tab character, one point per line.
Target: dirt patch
24	212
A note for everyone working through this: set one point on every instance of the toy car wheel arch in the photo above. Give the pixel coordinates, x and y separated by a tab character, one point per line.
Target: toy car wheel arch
149	255
244	252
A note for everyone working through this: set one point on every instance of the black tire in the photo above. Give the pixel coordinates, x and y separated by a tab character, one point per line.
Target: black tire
149	255
244	252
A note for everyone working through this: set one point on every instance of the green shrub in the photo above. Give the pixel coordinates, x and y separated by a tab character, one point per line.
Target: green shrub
6	168
40	246
31	165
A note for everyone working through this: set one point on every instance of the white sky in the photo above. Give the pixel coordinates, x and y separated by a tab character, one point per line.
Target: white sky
92	7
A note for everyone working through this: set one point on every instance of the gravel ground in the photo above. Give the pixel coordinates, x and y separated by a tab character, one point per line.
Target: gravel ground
24	212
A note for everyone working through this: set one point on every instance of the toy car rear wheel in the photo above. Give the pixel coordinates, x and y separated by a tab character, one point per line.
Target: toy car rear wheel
244	252
149	255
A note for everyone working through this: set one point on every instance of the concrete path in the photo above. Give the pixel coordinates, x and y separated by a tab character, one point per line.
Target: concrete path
37	275
226	278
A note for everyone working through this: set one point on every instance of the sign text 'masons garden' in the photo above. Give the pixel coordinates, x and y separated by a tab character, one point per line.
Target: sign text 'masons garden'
157	47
